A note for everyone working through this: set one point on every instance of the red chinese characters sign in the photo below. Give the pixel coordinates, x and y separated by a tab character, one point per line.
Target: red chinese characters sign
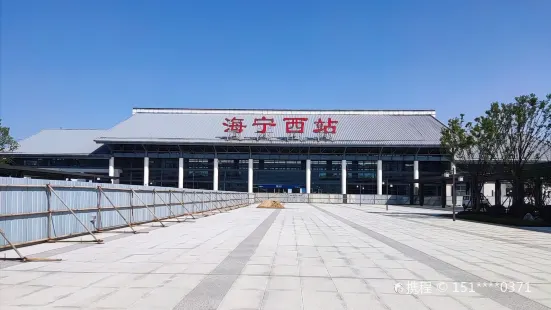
293	125
325	127
234	125
264	123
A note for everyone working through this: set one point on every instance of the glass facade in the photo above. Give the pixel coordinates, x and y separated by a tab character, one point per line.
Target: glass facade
279	176
275	169
397	176
361	177
233	175
326	176
163	172
198	173
132	170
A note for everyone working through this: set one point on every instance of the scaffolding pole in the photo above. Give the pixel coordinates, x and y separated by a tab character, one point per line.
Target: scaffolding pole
182	203
25	258
117	209
147	207
76	217
167	205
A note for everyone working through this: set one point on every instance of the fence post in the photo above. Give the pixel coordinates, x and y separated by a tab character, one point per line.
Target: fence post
202	201
194	202
154	204
98	219
49	201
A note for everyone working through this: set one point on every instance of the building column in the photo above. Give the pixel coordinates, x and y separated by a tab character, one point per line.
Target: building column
180	173
379	177
112	168
250	183
416	176
215	174
146	171
343	176
308	176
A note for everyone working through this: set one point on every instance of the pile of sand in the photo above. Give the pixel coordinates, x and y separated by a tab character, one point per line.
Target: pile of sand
271	204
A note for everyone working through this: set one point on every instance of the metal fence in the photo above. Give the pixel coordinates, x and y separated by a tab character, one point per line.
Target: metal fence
34	210
352	199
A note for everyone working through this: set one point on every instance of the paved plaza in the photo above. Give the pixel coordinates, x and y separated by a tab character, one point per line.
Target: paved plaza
307	256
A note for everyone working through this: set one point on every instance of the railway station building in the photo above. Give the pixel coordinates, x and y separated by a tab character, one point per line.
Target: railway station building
374	152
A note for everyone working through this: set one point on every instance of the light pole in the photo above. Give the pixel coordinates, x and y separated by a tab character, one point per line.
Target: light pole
387	192
452	173
361	188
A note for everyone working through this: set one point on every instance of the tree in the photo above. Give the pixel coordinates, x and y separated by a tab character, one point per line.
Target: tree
472	148
525	127
7	143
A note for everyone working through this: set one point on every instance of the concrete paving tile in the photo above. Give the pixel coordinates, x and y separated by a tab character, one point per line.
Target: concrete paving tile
261	260
318	284
84	297
480	303
282	260
313	271
387	264
242	299
372	273
284	283
397	302
357	301
172	268
68	279
124	297
282	300
262	270
116	280
281	270
340	272
245	282
160	298
441	302
19	277
311	261
401	274
385	286
200	268
336	262
150	280
45	296
314	300
9	294
186	281
545	302
352	286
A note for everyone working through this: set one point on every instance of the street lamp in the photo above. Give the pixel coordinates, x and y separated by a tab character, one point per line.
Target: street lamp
361	188
387	198
453	173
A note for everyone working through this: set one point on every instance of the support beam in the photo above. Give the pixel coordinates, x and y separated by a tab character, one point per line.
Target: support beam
250	182
416	176
343	176
379	177
180	173
146	171
308	175
215	174
112	168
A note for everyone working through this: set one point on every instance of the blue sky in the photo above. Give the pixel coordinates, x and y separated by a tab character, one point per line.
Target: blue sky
85	64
